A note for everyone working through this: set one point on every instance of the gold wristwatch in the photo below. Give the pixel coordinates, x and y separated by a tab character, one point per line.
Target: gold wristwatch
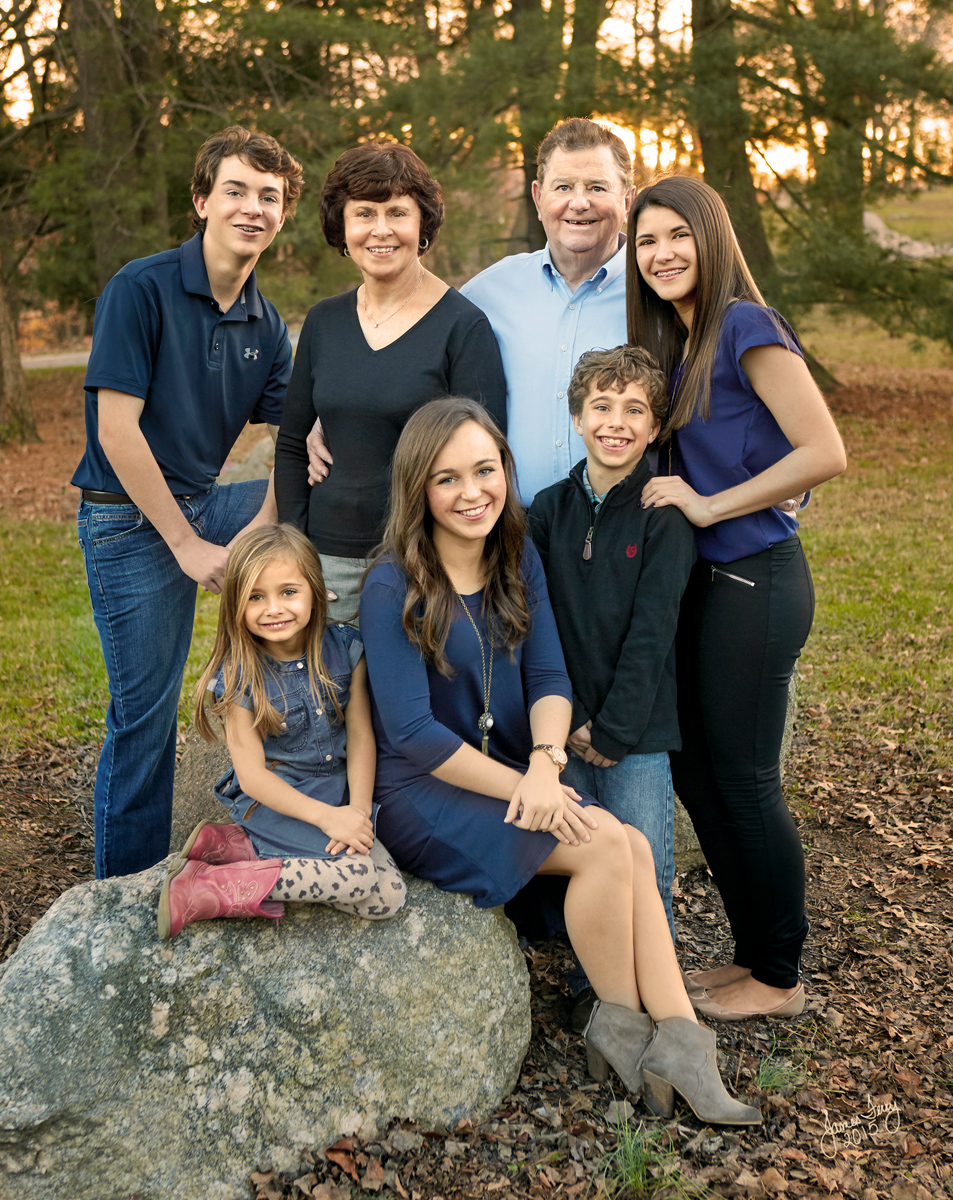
557	754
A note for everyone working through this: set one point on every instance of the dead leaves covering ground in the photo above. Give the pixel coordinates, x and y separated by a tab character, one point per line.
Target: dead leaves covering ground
856	1092
872	1056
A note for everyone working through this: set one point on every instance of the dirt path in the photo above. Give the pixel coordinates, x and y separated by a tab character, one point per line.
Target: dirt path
856	1092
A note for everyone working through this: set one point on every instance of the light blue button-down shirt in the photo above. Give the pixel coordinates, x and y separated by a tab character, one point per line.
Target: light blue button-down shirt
542	328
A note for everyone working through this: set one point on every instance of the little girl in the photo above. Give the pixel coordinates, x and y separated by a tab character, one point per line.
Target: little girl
291	692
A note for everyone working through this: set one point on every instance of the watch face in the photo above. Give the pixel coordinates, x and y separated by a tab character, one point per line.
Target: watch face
560	756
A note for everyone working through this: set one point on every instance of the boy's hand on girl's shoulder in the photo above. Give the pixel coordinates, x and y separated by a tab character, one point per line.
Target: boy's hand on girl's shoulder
349	829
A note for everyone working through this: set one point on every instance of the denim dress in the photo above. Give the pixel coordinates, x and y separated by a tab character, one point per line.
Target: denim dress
309	752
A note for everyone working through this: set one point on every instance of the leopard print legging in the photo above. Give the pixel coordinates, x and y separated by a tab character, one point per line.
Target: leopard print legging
367	885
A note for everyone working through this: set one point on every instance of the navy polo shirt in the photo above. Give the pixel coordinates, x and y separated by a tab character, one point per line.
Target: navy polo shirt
159	334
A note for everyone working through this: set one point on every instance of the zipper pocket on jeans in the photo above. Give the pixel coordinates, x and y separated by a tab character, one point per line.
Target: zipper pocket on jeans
728	575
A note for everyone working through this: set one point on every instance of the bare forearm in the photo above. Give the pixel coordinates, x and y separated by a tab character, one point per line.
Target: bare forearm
804	468
138	472
269	789
361	770
549	720
468	768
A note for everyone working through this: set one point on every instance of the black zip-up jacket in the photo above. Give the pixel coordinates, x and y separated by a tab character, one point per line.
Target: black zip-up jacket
617	610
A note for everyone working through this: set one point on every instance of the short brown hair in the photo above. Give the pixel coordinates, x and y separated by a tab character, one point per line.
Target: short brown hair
260	151
616	369
579	134
376	172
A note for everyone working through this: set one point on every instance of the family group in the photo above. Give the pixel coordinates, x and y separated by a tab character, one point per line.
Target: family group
529	556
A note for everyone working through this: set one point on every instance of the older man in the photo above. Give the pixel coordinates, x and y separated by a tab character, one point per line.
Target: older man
548	308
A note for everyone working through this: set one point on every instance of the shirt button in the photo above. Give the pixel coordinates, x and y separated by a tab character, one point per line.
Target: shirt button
317	712
560	395
559	443
571	307
216	345
599	290
300	666
327	758
564	348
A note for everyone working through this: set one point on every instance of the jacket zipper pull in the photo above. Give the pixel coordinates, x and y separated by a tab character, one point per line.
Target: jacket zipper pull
587	549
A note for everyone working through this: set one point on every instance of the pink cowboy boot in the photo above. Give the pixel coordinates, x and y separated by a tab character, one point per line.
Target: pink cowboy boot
218	843
197	891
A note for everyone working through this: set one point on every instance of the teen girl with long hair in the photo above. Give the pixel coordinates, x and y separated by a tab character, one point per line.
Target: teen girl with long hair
290	691
471	707
748	428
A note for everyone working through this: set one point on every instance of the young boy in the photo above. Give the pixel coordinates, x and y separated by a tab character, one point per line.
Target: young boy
186	350
616	573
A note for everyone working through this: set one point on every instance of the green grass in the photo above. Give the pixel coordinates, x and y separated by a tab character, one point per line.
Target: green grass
52	679
880	544
643	1164
924	215
779	1069
835	336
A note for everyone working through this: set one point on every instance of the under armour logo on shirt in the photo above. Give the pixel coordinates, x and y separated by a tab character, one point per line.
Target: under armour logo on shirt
250	353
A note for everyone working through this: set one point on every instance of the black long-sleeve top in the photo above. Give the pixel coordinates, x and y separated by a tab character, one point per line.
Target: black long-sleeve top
364	398
616	611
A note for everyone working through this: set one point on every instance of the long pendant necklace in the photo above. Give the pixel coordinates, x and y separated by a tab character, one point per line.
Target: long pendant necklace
485	723
423	272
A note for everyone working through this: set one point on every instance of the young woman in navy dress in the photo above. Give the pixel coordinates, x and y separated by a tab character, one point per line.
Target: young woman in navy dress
748	428
471	706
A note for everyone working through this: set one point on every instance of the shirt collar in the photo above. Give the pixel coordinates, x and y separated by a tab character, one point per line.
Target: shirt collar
195	278
606	273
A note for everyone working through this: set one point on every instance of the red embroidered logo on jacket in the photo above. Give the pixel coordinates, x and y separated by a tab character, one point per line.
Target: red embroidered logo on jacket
631	551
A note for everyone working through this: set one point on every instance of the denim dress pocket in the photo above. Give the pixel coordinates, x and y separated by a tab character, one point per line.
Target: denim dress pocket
296	729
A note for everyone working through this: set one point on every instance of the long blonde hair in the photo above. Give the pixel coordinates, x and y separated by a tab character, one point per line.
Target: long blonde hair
238	654
431	602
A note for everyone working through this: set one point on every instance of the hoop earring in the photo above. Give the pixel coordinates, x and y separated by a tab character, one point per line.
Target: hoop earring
345	251
424	246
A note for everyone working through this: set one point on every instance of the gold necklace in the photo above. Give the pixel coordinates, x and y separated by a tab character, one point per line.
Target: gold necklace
423	272
485	723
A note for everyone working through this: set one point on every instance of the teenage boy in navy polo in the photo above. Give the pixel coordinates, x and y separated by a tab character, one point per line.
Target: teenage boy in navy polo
616	573
185	352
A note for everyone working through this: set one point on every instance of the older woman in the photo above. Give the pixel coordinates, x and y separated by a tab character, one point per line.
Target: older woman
369	358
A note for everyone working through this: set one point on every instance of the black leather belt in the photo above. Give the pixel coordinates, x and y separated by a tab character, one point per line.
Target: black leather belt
92	497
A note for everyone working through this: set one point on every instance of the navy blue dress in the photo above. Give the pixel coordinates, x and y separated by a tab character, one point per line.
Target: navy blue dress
454	837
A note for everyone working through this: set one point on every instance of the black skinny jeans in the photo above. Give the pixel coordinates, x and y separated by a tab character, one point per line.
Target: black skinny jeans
737	645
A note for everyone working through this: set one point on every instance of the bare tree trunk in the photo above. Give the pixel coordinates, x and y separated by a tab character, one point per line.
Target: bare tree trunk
584	57
117	61
17	423
723	128
533	32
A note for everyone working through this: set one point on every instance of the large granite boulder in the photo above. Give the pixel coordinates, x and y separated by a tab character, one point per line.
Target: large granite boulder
171	1070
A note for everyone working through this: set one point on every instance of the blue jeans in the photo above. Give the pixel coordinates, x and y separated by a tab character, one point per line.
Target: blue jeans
144	608
638	791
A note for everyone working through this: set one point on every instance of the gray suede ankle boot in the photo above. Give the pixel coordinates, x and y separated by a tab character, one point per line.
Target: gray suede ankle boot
682	1059
617	1037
